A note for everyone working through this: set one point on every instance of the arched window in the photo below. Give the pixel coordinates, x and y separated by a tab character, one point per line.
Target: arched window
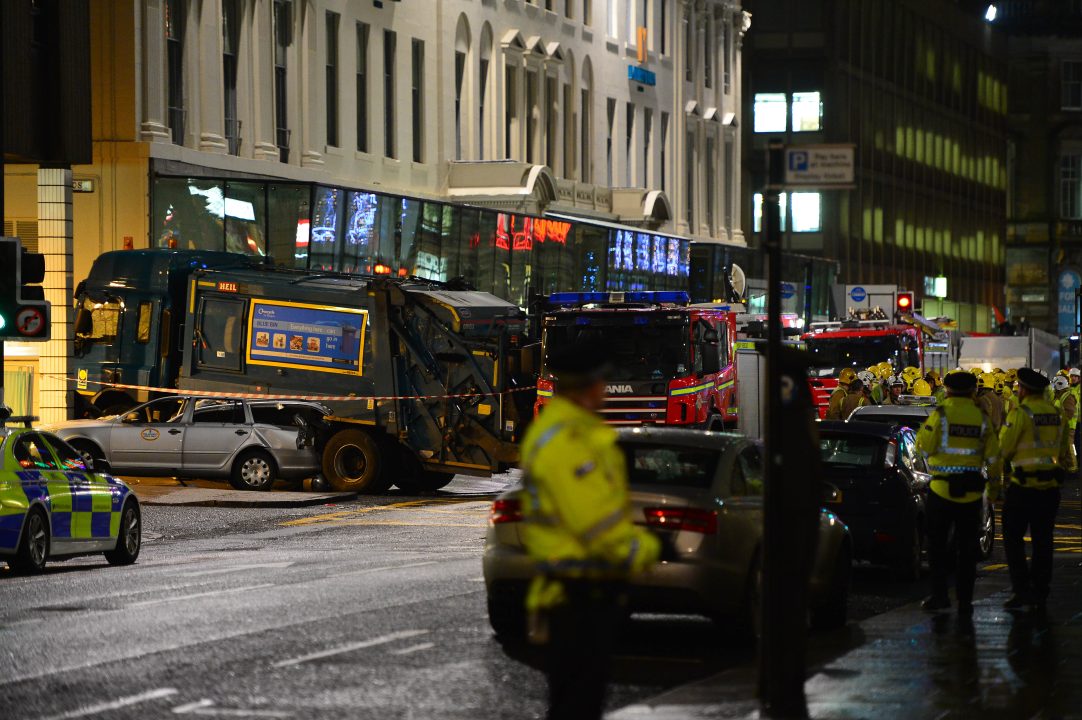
485	106
176	21
461	88
586	122
570	117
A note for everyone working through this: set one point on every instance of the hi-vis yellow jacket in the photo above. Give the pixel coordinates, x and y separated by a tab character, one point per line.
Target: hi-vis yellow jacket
576	505
1035	438
958	439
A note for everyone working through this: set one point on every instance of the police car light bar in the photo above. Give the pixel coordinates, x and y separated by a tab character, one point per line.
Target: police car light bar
658	297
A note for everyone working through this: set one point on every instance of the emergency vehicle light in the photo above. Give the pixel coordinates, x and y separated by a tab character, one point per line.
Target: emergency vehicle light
577	298
653	297
660	296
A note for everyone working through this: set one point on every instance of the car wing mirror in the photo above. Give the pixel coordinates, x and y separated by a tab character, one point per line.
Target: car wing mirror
100	465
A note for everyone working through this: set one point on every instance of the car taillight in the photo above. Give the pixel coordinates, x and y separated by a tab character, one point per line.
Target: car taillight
690	519
505	511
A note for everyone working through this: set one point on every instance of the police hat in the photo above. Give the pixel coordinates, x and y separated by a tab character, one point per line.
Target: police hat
1032	380
580	363
960	382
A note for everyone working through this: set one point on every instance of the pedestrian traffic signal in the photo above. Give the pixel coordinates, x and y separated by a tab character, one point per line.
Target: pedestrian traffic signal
24	313
904	303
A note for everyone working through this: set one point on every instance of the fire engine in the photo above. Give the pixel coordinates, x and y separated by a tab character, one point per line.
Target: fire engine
859	344
673	362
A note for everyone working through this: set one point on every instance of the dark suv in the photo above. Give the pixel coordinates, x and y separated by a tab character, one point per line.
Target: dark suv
876	481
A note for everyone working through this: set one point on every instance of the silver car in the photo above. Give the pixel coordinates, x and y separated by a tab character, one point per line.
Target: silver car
251	442
702	493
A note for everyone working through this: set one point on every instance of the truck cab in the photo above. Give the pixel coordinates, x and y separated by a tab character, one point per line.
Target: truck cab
672	363
129	315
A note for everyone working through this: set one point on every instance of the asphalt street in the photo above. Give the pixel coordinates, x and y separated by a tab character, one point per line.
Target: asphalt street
372	608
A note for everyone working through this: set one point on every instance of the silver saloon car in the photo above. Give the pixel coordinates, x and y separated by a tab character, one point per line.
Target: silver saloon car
250	442
702	493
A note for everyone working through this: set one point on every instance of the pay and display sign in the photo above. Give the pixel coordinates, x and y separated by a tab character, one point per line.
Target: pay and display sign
820	166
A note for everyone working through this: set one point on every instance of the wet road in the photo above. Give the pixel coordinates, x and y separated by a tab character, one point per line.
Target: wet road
368	609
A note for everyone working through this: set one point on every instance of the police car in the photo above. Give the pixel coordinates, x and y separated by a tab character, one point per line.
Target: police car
53	506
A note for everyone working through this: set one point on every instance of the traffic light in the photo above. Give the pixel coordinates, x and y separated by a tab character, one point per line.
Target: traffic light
24	313
904	303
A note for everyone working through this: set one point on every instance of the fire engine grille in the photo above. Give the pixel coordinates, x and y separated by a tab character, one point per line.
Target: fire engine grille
634	409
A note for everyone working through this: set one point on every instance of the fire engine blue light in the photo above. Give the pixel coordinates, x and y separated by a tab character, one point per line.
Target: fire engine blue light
582	321
577	298
658	296
641	320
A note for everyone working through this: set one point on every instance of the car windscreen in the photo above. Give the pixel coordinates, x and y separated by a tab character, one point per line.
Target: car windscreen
862	451
653	464
657	350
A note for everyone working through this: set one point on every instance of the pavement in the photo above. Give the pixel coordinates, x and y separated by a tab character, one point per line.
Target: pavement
907	664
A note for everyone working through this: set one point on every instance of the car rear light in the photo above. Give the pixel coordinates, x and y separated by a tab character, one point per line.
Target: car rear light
506	511
690	519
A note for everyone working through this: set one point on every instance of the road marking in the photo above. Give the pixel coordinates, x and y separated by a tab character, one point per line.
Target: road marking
334	516
238	568
206	707
997	566
414	648
209	593
381	640
365	571
115	704
406	523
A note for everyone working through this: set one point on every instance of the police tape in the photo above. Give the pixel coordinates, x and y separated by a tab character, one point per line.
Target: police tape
268	396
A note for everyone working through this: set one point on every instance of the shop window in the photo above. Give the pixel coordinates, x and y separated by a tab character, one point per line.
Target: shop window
288	225
325	228
770	112
244	211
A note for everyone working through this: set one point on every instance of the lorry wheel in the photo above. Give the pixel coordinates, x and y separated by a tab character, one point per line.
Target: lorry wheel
352	462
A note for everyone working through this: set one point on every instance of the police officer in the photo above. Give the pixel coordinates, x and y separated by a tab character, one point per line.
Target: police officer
1074	377
840	394
960	446
1036	443
579	531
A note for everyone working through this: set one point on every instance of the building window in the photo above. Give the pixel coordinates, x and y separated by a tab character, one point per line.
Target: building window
647	144
569	131
807	112
1071	72
711	185
482	102
533	120
708	54
726	59
587	13
1070	187
663	28
689	180
770	112
807	212
629	145
610	110
552	122
689	47
417	90
510	114
230	43
585	146
664	168
729	175
332	78
283	38
175	19
460	78
389	41
362	87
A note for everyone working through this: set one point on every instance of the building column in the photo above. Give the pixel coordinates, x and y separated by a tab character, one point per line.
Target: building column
308	65
55	243
153	126
261	63
210	85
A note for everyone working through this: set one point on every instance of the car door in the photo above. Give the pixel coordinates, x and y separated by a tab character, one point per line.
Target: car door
216	431
149	438
740	520
42	478
93	499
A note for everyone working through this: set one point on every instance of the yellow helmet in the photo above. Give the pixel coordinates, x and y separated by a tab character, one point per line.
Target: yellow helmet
1001	387
1064	373
1012	375
996	370
986	380
976	371
884	370
933	378
910	374
847	375
922	388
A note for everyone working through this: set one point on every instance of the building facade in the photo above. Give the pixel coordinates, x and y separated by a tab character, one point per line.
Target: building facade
429	137
920	88
1044	231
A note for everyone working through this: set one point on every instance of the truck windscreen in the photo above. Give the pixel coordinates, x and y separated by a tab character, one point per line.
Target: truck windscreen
97	320
657	350
860	352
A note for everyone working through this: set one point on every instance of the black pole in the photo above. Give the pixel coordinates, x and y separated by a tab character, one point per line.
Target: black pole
3	176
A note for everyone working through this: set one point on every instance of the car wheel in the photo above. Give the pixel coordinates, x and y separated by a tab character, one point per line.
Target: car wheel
129	541
352	462
909	567
507	616
33	548
988	529
254	470
834	611
89	451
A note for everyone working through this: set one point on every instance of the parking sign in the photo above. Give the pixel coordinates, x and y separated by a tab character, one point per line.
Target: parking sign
819	166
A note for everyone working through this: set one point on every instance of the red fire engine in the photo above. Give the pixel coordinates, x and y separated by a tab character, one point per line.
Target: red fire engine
859	344
673	363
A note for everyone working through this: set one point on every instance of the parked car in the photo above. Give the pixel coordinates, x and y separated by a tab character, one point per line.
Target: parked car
913	416
877	483
702	493
54	505
250	442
